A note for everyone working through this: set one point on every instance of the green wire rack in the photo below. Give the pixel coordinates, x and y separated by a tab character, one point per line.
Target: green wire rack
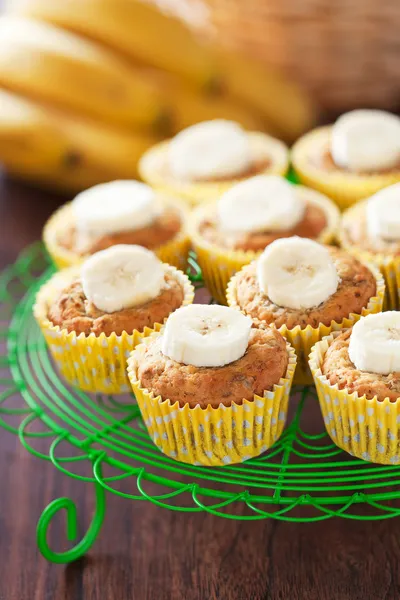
101	440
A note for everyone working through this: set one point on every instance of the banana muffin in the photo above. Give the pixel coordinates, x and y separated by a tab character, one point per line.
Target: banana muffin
352	159
308	215
357	376
208	158
233	231
263	364
164	228
306	290
118	212
93	315
356	286
212	390
72	310
371	230
339	370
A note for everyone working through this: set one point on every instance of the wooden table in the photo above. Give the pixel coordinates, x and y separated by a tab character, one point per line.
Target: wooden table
147	553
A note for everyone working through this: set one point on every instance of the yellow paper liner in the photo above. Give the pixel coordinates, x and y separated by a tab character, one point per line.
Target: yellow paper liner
153	170
175	252
219	264
367	429
303	340
388	264
215	436
93	363
344	187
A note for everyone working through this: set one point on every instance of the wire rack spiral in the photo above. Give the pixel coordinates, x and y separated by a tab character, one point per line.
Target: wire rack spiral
102	440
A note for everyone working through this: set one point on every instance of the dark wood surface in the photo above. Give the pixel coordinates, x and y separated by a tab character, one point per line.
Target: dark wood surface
147	553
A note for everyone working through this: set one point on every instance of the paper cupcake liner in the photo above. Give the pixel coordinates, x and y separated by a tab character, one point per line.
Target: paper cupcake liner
175	252
93	363
152	165
219	264
216	436
303	340
389	265
345	188
367	429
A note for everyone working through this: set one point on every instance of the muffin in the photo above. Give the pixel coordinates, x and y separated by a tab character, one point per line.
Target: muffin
371	231
206	159
357	376
212	390
352	159
234	230
118	212
305	290
93	315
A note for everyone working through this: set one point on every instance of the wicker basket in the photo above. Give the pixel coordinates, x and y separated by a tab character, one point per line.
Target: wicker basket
345	52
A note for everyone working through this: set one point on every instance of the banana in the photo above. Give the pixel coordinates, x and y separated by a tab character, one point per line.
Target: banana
216	148
278	100
187	106
123	276
297	273
375	343
113	207
60	150
132	27
383	213
206	335
48	63
260	203
143	33
366	140
27	140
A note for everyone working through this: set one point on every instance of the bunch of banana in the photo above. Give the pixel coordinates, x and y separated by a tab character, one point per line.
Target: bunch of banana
47	63
59	149
143	33
88	85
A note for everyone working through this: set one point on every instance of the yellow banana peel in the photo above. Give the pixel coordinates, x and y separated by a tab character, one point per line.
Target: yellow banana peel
48	63
59	149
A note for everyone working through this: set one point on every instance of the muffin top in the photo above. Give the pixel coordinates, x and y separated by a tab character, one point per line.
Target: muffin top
124	288
215	151
254	213
363	142
365	359
306	283
232	361
162	230
118	212
373	225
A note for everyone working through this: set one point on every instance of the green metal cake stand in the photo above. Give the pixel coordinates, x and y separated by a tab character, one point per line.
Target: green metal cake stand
102	441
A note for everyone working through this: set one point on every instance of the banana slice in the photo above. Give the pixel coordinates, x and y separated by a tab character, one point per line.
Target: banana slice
365	140
297	273
261	203
113	207
121	277
383	213
375	343
206	336
216	148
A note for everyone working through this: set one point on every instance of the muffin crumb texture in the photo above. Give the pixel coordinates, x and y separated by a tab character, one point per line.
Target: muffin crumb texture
340	371
357	286
262	366
72	311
